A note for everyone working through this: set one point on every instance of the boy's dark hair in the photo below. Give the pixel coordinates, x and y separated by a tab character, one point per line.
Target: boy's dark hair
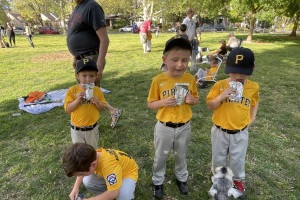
182	27
213	59
178	42
78	158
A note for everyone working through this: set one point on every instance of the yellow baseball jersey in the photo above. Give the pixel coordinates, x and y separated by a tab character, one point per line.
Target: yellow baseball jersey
234	115
114	166
211	72
86	114
163	87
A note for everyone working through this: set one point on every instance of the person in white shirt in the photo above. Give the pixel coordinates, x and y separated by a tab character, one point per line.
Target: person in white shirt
191	24
191	33
232	42
28	33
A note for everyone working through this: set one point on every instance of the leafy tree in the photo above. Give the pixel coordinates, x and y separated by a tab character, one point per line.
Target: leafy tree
63	8
290	9
32	9
124	7
214	8
249	9
4	5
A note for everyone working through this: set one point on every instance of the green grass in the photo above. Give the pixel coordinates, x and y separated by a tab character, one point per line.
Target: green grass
32	145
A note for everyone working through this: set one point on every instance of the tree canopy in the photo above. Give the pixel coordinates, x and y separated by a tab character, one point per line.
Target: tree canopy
171	11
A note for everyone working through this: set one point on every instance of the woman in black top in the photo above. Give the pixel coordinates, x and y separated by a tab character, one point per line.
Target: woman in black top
222	51
10	34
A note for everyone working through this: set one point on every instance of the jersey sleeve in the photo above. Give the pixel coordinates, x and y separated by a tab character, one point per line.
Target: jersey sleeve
213	93
100	95
153	92
70	97
255	97
113	176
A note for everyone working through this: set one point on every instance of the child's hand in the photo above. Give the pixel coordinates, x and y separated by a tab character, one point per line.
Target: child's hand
80	95
169	102
227	93
97	103
189	99
74	194
95	100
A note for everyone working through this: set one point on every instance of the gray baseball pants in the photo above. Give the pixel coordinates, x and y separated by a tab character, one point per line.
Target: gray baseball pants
165	139
96	184
233	145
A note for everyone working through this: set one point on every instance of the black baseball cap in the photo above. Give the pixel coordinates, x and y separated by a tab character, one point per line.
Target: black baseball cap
177	41
240	60
86	64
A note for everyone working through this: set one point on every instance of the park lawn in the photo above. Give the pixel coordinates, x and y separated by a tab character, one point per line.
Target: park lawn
32	145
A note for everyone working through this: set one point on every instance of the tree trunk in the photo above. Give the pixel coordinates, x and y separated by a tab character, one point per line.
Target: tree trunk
295	27
250	33
62	5
145	5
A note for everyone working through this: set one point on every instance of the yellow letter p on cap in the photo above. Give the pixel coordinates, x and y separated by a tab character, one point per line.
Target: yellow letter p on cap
238	57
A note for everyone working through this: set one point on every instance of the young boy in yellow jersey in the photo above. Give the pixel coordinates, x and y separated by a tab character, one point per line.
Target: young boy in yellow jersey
233	116
119	170
173	127
85	111
207	72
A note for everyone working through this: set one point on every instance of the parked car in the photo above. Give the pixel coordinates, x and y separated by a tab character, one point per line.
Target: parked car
206	28
48	30
220	27
126	29
19	30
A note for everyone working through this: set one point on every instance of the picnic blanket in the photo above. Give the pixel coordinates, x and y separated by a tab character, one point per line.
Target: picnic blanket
57	99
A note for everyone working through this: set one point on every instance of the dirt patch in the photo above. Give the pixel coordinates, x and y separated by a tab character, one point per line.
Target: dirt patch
52	57
55	57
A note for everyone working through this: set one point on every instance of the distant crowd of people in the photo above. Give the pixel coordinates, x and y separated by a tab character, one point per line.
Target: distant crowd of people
8	31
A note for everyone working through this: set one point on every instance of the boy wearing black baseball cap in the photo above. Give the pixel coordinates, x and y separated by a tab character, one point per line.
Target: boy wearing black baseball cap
235	103
172	93
84	102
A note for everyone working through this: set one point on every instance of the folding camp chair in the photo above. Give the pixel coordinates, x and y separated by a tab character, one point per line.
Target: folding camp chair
212	78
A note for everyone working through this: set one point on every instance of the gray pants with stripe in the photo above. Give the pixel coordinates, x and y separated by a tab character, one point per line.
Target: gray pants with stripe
165	139
96	184
232	145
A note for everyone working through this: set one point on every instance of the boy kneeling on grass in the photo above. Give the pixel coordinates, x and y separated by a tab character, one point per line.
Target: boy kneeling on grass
91	166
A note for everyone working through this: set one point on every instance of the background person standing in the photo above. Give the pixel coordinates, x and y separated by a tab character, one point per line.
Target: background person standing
191	33
10	34
2	29
29	34
191	24
87	38
145	27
